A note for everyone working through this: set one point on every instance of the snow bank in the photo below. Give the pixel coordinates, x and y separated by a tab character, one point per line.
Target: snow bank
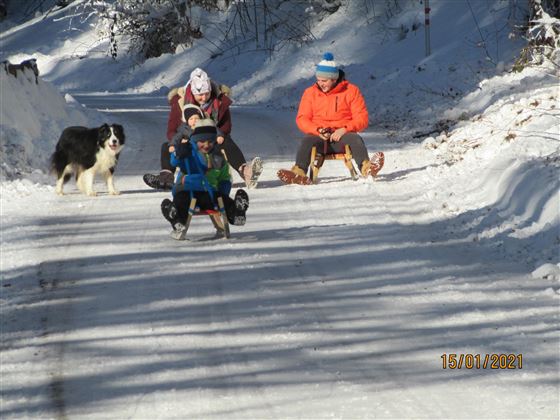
503	163
547	270
32	116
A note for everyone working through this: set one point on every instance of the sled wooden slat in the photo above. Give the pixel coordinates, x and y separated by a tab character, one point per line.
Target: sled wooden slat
318	158
217	216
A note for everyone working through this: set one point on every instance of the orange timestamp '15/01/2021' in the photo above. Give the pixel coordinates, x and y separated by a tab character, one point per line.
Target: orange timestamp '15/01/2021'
481	361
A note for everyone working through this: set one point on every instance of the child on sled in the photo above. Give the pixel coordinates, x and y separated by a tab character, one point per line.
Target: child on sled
204	175
191	115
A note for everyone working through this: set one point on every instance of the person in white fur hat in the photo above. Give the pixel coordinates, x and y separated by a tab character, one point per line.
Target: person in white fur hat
213	99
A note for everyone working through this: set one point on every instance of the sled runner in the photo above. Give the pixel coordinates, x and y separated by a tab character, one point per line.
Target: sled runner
217	216
319	157
317	160
297	176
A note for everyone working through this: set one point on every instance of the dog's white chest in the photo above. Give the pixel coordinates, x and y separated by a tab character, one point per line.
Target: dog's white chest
105	160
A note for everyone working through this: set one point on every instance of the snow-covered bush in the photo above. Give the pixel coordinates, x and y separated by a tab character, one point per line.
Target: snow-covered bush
155	27
543	36
150	27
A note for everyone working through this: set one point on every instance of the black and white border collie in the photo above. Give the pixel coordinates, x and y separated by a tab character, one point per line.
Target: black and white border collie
86	152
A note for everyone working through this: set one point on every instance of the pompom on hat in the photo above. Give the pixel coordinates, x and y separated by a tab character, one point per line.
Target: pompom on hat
327	67
204	130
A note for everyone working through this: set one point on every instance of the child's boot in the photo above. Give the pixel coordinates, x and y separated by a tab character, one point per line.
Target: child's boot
241	202
169	211
179	232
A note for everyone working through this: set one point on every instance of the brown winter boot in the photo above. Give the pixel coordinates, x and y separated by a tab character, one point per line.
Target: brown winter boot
374	165
166	180
294	176
163	181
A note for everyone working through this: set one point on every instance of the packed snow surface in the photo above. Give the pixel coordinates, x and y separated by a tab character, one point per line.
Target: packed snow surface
338	300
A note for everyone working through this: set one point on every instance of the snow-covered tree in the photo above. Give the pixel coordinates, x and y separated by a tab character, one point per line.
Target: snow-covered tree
543	34
155	27
151	27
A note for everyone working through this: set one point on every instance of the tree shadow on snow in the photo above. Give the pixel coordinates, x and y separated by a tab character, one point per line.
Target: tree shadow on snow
373	305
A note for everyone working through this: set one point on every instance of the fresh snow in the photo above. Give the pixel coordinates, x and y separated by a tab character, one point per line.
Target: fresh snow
335	300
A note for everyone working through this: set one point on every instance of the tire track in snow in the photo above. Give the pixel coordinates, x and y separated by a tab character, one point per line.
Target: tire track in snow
57	321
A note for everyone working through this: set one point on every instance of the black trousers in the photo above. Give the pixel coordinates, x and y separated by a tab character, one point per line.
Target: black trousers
356	143
182	201
233	152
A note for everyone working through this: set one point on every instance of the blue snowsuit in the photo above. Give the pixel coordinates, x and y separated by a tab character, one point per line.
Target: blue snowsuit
203	176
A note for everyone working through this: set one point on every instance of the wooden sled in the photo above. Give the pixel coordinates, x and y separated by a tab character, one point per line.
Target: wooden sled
318	158
217	216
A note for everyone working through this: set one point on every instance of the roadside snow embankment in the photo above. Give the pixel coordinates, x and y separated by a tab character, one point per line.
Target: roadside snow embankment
504	165
32	116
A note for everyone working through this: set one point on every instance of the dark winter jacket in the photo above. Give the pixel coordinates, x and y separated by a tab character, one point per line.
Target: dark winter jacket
218	109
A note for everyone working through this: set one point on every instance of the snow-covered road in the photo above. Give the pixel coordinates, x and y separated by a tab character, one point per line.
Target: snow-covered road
335	300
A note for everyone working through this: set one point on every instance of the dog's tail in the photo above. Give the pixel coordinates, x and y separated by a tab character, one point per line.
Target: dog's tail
58	162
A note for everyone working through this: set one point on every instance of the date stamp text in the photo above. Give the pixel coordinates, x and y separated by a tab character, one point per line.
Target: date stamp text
481	361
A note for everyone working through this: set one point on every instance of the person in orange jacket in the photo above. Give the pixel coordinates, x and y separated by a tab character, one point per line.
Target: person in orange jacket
331	113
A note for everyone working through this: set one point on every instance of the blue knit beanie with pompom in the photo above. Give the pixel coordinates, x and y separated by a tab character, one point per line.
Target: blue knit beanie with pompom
327	67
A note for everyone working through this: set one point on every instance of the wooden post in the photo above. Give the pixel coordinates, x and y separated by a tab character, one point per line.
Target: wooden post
427	26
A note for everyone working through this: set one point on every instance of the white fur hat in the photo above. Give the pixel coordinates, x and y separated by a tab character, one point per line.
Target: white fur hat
199	81
198	73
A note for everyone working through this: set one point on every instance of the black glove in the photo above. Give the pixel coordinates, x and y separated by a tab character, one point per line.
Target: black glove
183	150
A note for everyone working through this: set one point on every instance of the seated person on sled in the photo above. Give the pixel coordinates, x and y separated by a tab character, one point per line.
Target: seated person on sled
204	175
331	113
214	101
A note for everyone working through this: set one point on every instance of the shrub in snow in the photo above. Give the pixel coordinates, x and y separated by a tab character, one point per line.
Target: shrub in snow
155	27
543	38
149	27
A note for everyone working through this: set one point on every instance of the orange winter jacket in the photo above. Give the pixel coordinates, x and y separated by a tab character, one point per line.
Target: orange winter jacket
343	106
